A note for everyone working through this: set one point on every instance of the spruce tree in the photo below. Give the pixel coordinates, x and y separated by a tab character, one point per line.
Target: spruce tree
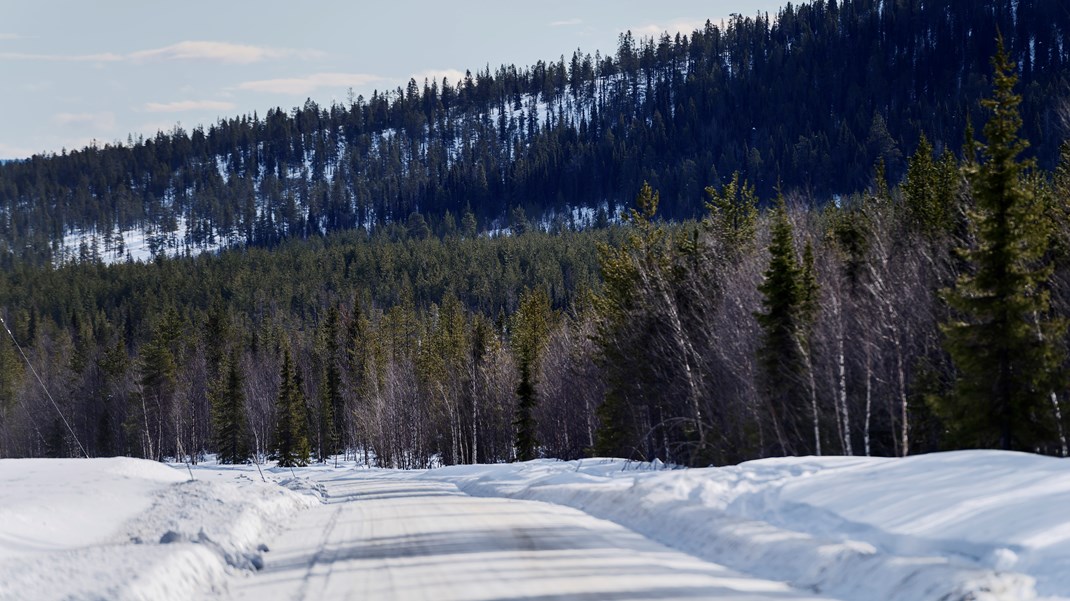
789	298
1001	339
732	213
929	190
327	441
332	402
228	413
291	440
531	326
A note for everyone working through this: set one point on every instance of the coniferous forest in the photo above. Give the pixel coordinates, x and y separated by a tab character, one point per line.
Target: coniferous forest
840	229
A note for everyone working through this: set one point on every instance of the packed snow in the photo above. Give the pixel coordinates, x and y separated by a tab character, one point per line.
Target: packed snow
129	529
979	525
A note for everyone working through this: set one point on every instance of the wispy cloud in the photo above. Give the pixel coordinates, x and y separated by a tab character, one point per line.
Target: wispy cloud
437	74
566	23
182	106
224	52
683	25
220	52
11	36
301	86
99	122
104	57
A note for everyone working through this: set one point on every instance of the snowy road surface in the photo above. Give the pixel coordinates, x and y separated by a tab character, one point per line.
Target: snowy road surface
397	538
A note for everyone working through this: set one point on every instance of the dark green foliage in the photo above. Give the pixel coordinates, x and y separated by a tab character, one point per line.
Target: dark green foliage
11	368
733	213
530	328
332	409
228	414
526	442
1005	344
291	448
327	439
623	423
930	191
789	300
158	369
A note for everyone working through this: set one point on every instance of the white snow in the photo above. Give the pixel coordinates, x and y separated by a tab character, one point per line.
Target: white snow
386	536
965	525
978	526
130	529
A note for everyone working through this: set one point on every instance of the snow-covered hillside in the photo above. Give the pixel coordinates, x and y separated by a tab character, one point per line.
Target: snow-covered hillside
953	526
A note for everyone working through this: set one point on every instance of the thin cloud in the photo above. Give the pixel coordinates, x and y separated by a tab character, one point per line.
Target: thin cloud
183	106
567	23
654	30
104	121
436	75
224	52
220	52
105	57
5	37
302	86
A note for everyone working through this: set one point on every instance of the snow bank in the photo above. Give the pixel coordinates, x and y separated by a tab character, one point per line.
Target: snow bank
980	526
130	529
56	504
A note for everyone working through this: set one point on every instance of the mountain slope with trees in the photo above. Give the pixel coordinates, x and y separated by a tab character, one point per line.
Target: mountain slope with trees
805	100
924	310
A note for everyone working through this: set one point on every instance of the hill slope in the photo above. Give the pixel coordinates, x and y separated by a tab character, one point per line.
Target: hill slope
809	98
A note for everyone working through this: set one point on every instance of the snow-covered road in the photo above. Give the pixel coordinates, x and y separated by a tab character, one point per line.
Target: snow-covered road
393	537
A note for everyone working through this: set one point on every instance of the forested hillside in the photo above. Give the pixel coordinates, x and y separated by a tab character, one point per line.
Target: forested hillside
904	289
807	99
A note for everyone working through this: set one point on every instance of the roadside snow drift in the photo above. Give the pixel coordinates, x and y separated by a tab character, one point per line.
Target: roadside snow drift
952	526
129	529
964	526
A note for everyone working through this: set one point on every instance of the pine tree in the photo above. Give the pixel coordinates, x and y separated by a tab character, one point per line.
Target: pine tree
531	326
624	326
291	439
159	380
1002	341
469	225
929	190
327	441
10	376
733	213
228	413
789	297
332	402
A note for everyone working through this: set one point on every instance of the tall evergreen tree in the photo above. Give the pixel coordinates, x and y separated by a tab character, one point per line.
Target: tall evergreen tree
531	326
733	213
624	325
291	438
788	297
228	413
1002	340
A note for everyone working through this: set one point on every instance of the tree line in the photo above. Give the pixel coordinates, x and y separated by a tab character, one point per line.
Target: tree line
930	314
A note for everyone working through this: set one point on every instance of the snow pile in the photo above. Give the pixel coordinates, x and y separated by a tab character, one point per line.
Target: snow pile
979	526
130	529
58	504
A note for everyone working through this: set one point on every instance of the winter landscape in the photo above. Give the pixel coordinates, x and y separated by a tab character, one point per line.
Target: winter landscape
695	299
969	525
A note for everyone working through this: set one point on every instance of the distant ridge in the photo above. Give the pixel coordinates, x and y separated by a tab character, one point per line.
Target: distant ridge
808	100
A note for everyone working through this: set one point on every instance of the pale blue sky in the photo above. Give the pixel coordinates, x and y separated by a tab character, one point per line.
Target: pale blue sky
76	71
